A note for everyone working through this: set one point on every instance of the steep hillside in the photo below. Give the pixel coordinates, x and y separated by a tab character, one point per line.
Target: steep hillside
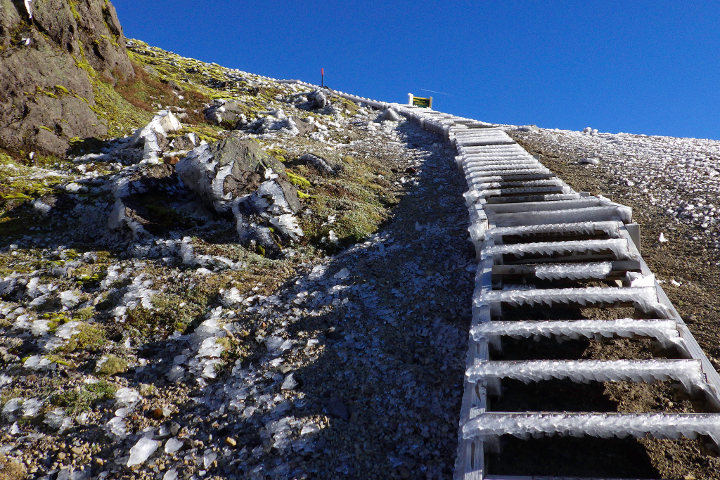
170	297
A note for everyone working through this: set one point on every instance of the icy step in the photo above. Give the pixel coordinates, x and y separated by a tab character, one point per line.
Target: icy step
665	331
519	177
477	137
477	170
590	214
489	176
532	198
520	183
609	228
569	271
547	206
687	372
480	160
620	247
608	425
466	149
519	191
643	298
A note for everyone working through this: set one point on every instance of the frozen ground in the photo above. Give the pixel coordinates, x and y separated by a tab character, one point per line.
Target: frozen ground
679	175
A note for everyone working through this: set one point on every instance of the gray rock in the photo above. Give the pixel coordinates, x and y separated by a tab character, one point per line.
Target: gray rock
227	113
589	161
231	169
42	84
319	164
317	99
186	142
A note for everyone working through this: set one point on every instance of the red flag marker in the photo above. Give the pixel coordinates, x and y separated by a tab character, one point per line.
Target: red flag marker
322	77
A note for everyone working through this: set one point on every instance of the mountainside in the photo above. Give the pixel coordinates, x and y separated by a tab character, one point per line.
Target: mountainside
56	57
181	267
207	273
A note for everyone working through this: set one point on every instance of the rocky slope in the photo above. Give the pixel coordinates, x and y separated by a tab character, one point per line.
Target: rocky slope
170	301
56	57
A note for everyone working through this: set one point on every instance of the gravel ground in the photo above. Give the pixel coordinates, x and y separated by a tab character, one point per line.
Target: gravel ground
654	177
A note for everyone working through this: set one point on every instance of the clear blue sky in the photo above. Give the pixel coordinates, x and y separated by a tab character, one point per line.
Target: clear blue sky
641	67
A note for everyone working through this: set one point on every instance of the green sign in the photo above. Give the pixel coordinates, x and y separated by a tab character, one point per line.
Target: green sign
422	102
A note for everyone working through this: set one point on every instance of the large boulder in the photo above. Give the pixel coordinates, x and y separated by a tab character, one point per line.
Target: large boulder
49	50
235	175
225	171
227	113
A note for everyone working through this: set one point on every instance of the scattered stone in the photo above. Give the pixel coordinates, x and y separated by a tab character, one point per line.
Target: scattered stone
141	451
289	383
589	161
231	441
173	445
226	113
319	164
317	99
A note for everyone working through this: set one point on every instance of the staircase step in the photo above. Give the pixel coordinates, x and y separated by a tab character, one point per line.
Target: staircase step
687	372
608	425
665	331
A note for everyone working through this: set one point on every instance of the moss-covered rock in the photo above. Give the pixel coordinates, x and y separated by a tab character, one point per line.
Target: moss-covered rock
49	60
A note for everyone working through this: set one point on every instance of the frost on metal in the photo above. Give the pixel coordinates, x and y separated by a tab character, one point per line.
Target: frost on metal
644	298
573	215
519	183
619	247
687	372
610	228
659	425
498	166
573	271
664	330
507	191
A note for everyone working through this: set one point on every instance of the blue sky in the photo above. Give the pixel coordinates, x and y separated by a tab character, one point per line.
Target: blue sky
639	67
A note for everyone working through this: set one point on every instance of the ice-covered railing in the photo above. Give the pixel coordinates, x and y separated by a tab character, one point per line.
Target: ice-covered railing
659	425
620	247
665	331
687	372
644	298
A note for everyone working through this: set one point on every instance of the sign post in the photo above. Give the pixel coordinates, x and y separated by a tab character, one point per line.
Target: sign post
419	101
322	77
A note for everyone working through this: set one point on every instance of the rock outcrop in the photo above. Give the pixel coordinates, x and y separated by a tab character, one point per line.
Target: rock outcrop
235	175
51	52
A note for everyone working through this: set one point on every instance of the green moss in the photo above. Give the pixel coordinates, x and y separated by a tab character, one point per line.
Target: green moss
60	361
73	9
43	127
83	398
85	314
279	153
62	90
89	337
55	320
304	195
112	366
298	180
